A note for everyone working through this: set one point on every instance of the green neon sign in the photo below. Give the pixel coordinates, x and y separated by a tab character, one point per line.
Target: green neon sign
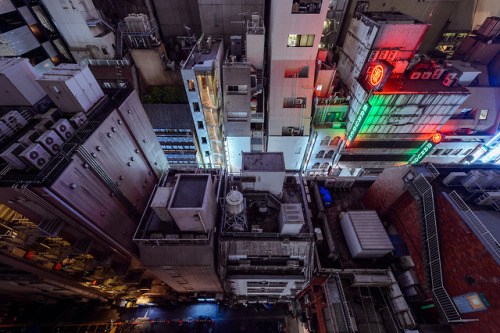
360	119
424	151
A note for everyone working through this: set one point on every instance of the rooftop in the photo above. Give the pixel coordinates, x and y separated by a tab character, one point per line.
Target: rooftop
203	58
409	86
169	116
392	18
263	162
189	191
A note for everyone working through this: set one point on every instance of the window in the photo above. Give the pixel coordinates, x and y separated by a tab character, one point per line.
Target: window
295	103
335	141
306	7
437	152
200	124
204	140
325	141
190	84
315	166
104	50
456	152
300	40
241	89
207	153
196	107
467	152
329	154
483	115
447	151
320	154
325	165
297	71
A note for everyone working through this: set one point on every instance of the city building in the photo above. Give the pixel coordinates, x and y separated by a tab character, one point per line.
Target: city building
244	102
27	31
266	238
173	125
177	233
86	32
295	31
448	218
397	101
201	74
142	38
73	165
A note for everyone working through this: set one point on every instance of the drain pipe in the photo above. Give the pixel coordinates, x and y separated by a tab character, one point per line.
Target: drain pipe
324	222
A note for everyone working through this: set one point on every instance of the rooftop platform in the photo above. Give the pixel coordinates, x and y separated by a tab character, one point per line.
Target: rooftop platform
202	59
263	162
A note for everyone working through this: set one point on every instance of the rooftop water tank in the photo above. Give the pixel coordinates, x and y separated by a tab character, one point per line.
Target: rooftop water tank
234	202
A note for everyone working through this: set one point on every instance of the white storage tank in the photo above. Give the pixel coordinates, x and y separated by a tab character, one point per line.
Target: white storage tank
234	202
18	82
72	88
365	235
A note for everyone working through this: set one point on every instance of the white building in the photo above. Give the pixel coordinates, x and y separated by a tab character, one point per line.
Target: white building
244	102
201	74
85	31
294	37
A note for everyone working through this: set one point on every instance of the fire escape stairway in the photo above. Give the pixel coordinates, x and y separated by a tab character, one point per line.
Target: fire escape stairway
118	44
345	306
421	190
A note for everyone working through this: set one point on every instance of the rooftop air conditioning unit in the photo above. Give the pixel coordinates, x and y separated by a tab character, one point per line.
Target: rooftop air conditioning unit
43	125
299	101
415	75
383	54
36	156
51	141
14	120
373	55
392	55
5	131
426	75
257	228
488	198
52	114
78	119
29	137
454	178
63	128
10	155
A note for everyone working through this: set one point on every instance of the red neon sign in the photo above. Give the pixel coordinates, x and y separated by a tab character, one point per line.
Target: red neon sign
437	137
377	75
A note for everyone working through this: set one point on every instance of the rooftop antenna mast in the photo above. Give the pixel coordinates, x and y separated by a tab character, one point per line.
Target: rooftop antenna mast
189	40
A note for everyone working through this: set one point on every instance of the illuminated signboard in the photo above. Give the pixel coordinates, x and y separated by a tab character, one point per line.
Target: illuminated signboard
426	148
376	74
360	119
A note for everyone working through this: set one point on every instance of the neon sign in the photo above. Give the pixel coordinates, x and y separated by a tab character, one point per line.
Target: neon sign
357	124
426	148
377	75
436	138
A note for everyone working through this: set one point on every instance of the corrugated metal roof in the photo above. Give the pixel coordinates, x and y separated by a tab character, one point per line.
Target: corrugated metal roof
175	116
369	230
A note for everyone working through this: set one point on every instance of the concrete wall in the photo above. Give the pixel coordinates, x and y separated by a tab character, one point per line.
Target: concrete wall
174	14
70	19
293	148
235	146
151	67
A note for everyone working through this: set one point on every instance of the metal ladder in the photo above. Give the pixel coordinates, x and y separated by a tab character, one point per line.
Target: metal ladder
425	198
345	306
478	225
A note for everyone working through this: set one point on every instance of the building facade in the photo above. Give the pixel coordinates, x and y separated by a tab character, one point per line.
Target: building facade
201	74
294	36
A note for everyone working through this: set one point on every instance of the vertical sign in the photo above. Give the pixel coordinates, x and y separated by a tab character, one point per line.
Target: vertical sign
360	119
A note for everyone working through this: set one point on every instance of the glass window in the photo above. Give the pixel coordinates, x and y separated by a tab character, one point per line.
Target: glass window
483	115
437	152
457	151
447	151
300	40
190	84
196	107
204	140
296	71
306	6
297	102
200	124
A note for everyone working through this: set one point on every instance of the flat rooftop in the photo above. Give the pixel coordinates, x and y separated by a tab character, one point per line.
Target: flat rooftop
204	58
409	86
263	162
169	116
189	191
392	18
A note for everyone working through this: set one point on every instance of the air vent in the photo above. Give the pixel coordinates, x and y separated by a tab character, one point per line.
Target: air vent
63	128
36	156
51	141
51	227
78	119
14	120
82	246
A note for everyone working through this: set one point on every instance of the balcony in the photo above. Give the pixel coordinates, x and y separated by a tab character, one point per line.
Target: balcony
306	6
